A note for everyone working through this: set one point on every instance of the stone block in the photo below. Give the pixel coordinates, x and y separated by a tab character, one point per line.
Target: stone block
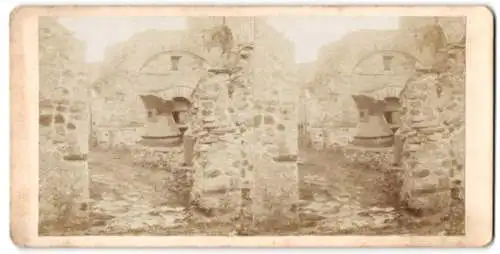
220	184
430	130
210	126
220	203
429	184
286	158
430	204
423	172
417	118
209	119
208	140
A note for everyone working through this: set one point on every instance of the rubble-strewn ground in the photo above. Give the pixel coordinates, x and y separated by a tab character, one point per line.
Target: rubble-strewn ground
348	199
336	199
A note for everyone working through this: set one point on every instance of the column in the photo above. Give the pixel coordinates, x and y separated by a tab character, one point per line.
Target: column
216	192
427	155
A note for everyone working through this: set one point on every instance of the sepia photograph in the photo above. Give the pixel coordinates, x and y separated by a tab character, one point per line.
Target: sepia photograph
246	125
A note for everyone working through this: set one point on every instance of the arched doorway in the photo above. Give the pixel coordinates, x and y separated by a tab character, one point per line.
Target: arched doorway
167	80
376	81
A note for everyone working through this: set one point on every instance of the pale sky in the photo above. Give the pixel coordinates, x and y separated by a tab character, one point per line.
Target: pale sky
307	33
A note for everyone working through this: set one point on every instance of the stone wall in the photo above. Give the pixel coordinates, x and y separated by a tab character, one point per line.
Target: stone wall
433	102
454	26
276	132
64	132
433	122
118	137
245	155
117	123
217	177
222	125
427	151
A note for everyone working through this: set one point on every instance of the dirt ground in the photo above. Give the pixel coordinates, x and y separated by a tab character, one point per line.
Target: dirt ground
336	198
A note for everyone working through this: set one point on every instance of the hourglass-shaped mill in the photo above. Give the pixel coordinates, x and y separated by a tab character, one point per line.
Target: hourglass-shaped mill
166	97
376	90
160	125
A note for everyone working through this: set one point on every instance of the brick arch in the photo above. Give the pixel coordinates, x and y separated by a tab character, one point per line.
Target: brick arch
169	52
387	51
386	92
177	91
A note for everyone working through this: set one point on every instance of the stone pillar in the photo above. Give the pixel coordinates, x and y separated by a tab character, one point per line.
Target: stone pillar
246	150
427	156
64	178
216	192
242	114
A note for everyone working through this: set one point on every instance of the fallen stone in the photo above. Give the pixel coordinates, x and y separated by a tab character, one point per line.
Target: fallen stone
380	209
311	217
427	126
417	118
286	158
421	172
219	184
208	140
342	199
429	184
413	147
210	126
431	203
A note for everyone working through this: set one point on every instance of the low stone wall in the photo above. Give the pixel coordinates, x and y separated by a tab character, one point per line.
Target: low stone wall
326	137
116	137
159	157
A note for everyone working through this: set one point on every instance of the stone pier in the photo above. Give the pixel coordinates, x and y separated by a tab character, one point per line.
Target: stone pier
245	126
218	153
427	157
64	180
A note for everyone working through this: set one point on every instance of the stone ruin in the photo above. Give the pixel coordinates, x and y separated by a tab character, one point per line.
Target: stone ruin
433	135
429	139
64	189
237	158
244	168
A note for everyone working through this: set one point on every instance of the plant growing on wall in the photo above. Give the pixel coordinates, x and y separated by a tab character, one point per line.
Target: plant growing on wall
431	36
219	37
234	56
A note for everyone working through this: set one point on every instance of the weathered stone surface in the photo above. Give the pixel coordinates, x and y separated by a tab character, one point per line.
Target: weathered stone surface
163	157
63	172
217	177
428	158
227	203
438	202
